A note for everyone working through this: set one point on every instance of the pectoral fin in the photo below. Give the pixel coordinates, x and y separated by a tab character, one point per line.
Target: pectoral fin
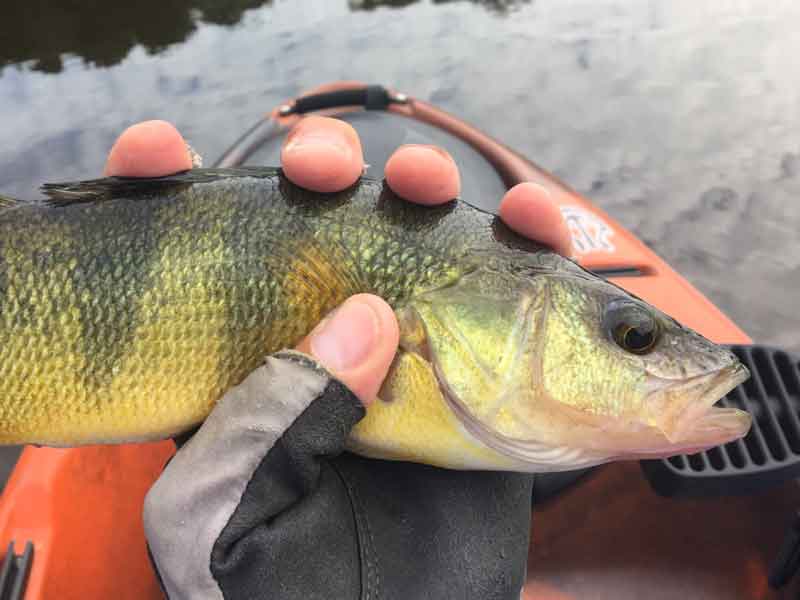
482	343
412	422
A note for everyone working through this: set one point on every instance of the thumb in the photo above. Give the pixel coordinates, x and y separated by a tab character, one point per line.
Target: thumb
356	343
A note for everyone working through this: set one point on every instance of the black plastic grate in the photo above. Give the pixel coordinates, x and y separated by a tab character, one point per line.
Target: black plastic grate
768	455
14	572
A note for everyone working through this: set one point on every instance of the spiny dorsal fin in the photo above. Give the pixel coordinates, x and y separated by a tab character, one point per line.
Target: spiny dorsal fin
108	188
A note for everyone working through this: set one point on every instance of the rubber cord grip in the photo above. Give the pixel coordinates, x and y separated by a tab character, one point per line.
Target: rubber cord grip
371	97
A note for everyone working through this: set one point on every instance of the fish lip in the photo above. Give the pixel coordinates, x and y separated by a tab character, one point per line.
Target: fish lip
699	414
736	371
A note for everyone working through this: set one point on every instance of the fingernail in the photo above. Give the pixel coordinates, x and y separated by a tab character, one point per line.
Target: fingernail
429	148
540	188
314	139
343	340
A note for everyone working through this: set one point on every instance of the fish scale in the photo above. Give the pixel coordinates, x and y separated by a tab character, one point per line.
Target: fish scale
149	304
128	307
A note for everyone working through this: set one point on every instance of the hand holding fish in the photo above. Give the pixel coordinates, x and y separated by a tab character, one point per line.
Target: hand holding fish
493	355
358	341
135	304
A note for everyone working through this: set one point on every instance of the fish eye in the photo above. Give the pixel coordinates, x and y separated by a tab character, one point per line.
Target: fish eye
631	326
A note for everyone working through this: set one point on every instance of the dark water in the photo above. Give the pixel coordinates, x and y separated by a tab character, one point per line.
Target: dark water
682	118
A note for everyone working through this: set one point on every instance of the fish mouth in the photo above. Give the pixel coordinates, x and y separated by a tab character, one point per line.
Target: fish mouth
685	414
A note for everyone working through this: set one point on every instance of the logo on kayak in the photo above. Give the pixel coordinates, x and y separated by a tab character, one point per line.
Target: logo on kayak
589	232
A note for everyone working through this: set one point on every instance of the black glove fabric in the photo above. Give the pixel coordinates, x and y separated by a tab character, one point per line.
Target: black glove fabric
262	502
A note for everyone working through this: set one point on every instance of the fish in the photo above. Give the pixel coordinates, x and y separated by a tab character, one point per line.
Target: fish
130	306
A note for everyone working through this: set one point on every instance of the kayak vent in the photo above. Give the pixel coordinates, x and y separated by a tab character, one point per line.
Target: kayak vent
768	455
14	573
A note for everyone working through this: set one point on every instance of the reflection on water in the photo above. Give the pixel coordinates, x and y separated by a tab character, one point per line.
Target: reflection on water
499	6
373	4
681	119
102	33
38	33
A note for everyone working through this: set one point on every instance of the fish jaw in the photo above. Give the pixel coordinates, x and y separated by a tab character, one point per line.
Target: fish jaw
411	421
700	426
698	422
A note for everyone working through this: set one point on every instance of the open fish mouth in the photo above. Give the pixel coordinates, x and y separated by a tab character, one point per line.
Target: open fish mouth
687	417
684	421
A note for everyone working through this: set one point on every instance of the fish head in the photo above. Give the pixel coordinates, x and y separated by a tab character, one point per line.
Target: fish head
557	369
641	382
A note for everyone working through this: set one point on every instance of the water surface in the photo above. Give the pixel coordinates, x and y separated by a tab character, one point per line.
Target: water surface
681	119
